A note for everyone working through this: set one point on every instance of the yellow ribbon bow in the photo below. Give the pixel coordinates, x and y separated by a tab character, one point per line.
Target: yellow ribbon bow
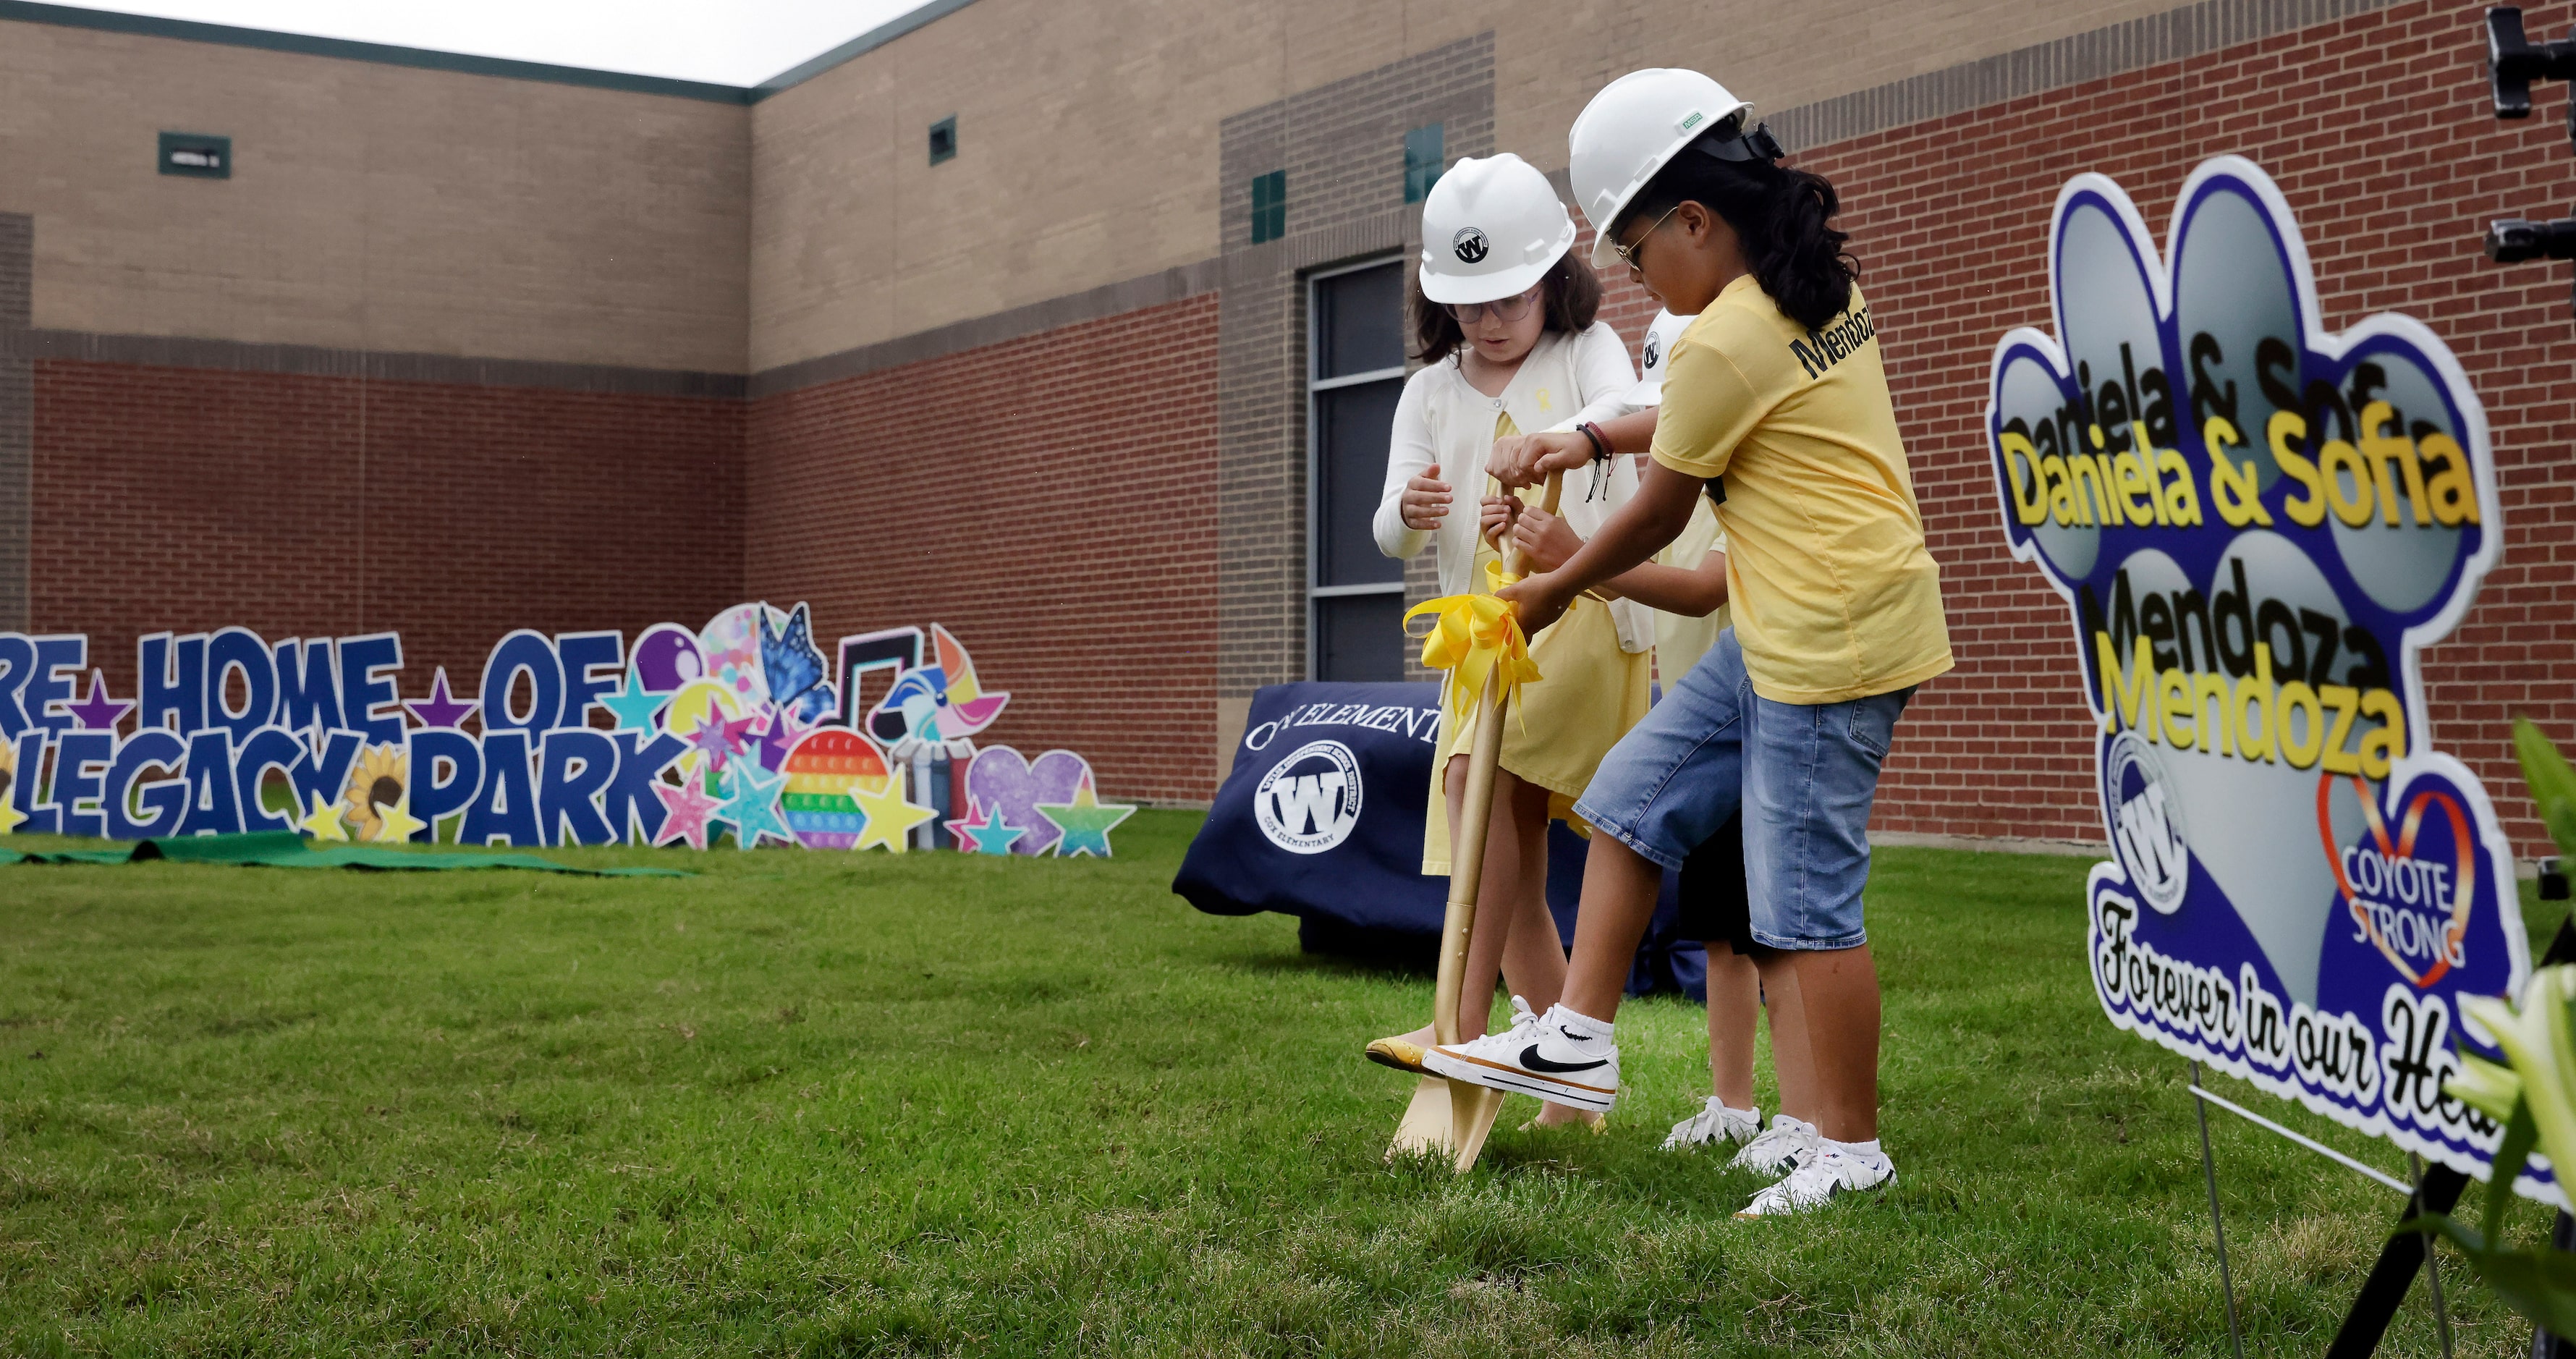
1476	636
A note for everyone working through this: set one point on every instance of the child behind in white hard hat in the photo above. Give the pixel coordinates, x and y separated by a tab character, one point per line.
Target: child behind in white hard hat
1505	325
1779	388
1686	586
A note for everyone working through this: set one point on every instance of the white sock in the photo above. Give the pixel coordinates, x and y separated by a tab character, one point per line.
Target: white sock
1583	1026
1865	1151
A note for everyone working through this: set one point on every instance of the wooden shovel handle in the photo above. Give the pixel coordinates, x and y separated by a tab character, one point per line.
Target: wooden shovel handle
1467	855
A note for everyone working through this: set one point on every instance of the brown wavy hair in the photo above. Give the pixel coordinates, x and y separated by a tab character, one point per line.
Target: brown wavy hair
1572	298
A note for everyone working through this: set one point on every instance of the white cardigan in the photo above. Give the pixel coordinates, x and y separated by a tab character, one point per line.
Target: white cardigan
1441	419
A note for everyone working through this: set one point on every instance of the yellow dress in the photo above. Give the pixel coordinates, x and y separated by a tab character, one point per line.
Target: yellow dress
1589	694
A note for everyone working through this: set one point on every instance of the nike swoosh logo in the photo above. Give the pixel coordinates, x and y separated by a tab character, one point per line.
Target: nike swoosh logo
1531	1059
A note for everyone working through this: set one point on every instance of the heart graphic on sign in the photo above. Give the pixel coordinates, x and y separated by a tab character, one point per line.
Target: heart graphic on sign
1012	786
2465	873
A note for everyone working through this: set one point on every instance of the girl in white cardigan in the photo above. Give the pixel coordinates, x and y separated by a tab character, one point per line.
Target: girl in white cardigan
1505	326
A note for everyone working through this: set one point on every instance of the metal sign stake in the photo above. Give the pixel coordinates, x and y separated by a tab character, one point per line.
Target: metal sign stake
2217	1228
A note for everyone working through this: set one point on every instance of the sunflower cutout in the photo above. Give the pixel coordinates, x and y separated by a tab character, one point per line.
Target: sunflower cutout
382	779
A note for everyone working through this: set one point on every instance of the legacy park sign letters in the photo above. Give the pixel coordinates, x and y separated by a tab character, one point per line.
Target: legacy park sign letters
2257	527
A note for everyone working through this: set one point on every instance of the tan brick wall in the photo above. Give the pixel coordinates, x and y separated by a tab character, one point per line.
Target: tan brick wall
1088	147
1088	131
375	206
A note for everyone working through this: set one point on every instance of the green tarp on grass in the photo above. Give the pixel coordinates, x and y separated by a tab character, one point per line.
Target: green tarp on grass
286	849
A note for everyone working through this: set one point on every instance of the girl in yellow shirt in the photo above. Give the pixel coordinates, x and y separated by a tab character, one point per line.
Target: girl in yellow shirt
1777	387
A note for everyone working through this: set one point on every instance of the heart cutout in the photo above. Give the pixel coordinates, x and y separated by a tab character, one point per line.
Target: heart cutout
1012	786
2402	851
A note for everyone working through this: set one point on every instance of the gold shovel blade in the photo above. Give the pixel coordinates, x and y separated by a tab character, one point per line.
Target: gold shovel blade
1450	1118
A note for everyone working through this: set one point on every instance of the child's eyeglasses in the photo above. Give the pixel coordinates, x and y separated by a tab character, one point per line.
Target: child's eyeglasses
1509	309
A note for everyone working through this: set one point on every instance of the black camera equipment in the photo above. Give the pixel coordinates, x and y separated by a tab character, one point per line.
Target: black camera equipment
2513	62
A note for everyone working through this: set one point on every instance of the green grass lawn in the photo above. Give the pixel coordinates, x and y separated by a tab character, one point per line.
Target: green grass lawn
829	1104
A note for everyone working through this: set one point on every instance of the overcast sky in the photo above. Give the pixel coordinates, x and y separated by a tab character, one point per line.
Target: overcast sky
732	42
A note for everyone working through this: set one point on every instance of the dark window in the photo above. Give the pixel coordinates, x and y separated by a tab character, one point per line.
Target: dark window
1357	372
1269	206
943	139
1422	163
1358	322
1360	637
1351	427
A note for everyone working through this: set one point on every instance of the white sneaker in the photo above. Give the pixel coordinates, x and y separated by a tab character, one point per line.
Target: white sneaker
1831	1171
1789	1143
1539	1055
1715	1124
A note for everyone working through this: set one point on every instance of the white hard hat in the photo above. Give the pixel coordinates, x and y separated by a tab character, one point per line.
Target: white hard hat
1490	229
1660	334
1626	134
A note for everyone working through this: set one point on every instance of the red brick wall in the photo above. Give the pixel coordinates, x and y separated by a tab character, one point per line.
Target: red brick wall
1052	500
2377	129
189	499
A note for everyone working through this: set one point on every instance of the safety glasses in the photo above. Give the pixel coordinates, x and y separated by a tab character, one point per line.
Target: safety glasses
1508	309
1628	252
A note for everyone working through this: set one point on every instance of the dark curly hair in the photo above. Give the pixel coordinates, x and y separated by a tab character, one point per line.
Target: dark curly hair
1572	299
1781	217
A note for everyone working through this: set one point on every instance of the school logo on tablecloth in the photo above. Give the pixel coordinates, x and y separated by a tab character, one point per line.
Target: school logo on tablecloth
1310	802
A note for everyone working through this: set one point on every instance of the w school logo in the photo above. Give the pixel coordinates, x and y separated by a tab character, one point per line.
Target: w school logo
1470	244
1310	801
1654	351
2149	835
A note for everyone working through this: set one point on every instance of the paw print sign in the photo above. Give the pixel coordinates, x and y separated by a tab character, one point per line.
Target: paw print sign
2257	527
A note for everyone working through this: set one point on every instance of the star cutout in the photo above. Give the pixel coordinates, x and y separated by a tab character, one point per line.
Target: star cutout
633	706
890	817
395	823
984	831
722	738
995	835
779	735
10	817
324	822
751	804
1086	822
686	806
100	713
440	709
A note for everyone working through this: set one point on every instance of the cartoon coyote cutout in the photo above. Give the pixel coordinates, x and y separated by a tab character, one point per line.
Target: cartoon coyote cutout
2257	528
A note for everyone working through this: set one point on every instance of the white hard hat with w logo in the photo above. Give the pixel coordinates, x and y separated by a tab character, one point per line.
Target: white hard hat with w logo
1490	229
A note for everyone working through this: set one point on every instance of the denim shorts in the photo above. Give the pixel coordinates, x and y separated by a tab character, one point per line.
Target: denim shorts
1802	775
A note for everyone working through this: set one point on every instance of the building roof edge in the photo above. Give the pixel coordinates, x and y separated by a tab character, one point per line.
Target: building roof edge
855	48
385	54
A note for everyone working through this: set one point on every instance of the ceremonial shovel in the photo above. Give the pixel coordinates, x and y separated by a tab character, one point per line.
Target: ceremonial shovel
1453	1117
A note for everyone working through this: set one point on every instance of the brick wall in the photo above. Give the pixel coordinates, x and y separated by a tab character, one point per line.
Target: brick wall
1341	146
2377	130
299	505
1052	500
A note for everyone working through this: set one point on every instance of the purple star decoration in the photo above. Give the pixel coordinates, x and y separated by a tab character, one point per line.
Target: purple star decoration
440	709
100	713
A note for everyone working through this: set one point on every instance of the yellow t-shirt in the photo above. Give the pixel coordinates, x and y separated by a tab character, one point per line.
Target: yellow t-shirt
1832	592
